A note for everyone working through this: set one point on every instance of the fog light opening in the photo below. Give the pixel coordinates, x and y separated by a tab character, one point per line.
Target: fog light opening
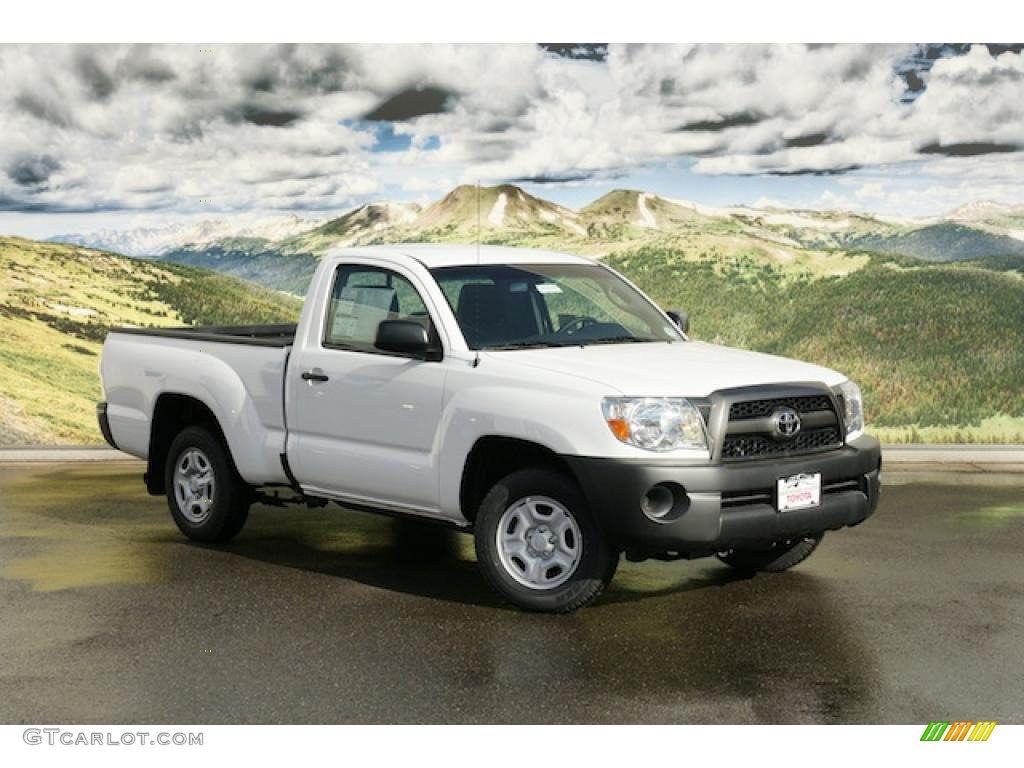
664	502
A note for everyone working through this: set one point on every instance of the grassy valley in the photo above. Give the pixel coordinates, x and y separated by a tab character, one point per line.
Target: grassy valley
56	304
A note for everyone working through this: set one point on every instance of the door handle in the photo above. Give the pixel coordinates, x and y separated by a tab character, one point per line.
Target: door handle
314	376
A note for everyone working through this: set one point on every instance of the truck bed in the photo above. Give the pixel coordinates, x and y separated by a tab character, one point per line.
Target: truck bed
236	372
281	335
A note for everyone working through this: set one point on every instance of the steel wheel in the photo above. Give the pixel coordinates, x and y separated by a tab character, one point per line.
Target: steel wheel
194	485
539	542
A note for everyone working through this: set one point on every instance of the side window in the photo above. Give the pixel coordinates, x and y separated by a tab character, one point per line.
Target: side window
362	297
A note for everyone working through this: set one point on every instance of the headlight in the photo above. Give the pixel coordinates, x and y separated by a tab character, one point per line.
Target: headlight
854	404
655	423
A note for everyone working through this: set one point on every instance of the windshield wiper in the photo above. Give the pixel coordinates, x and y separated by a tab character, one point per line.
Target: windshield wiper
625	339
527	345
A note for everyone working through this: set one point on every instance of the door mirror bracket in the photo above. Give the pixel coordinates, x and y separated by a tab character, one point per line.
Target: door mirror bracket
680	318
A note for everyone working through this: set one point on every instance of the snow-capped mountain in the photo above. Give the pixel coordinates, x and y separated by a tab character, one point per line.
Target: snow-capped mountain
985	210
155	241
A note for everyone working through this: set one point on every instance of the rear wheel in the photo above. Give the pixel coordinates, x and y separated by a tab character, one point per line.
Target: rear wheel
208	500
781	556
538	546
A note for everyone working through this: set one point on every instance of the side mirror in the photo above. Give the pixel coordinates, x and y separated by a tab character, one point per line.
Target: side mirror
680	318
404	337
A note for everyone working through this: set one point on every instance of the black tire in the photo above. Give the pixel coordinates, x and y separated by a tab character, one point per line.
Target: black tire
594	567
781	556
229	503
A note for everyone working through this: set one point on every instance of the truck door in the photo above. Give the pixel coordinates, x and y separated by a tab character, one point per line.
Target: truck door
362	422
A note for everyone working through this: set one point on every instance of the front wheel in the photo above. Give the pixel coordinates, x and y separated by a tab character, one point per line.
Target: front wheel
538	546
208	500
780	556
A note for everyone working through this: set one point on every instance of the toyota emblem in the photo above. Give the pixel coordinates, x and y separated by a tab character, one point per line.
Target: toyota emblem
785	423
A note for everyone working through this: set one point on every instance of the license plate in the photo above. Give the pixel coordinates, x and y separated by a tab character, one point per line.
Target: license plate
799	492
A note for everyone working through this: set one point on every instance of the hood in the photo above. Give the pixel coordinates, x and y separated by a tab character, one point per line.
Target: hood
680	369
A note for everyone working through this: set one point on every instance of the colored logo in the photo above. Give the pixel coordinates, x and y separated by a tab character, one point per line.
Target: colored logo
959	730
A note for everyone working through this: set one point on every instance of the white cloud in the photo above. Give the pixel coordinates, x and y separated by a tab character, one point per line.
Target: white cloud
769	202
419	184
870	190
165	127
141	127
920	196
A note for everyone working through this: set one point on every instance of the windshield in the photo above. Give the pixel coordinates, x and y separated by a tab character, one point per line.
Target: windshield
549	305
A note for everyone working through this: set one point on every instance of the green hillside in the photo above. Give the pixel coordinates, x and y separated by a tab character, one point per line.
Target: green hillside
56	303
947	241
258	261
936	348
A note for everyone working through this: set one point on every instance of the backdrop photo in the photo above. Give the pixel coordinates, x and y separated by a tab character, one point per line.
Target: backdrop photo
856	206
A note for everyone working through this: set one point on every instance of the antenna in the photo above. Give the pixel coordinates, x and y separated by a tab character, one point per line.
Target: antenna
476	357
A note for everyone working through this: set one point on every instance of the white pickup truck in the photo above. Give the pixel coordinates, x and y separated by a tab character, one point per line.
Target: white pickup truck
537	399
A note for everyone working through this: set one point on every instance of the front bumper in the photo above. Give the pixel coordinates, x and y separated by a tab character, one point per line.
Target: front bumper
724	505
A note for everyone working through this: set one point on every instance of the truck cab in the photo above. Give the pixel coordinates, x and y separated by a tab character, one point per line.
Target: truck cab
537	400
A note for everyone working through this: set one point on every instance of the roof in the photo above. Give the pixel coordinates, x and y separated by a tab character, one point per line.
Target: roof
433	255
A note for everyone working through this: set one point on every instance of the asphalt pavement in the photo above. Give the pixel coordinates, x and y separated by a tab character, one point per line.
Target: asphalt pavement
108	615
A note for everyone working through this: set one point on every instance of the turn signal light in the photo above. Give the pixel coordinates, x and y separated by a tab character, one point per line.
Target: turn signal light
620	428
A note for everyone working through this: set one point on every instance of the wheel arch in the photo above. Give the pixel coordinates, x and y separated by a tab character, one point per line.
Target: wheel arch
172	413
492	457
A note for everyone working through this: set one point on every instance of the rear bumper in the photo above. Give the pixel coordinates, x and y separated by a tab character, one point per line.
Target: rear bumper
101	417
718	506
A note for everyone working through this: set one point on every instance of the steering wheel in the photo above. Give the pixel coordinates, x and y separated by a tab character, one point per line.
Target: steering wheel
575	325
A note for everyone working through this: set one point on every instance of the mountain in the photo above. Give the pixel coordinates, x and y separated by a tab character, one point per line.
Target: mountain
506	208
57	302
502	213
288	264
260	261
620	210
360	225
815	242
980	231
623	217
944	241
154	241
987	211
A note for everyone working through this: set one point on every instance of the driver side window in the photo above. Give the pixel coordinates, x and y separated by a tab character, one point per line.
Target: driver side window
363	297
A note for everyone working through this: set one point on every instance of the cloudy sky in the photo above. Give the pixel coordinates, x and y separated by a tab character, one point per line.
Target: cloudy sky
101	136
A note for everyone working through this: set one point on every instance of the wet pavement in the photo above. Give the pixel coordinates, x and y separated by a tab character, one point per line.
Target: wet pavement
108	615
